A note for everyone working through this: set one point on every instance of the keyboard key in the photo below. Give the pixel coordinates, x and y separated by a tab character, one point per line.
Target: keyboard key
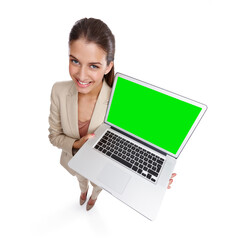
108	153
121	161
152	172
159	166
134	168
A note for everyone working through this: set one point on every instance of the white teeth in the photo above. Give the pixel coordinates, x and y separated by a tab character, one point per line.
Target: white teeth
83	83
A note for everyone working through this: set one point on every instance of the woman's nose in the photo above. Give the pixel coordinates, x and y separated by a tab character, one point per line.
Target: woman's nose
82	73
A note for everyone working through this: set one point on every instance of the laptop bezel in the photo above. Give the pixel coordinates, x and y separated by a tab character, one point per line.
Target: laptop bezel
202	106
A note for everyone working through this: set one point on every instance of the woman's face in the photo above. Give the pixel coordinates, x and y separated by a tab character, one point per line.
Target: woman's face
87	66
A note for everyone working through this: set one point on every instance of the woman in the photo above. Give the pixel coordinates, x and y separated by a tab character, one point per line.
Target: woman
79	106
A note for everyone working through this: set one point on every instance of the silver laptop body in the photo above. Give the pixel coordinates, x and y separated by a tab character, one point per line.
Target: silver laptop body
141	115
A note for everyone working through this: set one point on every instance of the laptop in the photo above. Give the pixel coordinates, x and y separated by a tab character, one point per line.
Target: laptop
134	151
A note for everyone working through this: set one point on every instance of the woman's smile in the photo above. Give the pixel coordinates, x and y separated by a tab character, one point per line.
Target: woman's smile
83	84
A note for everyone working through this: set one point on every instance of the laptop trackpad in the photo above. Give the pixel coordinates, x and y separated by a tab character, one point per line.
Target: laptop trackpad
114	178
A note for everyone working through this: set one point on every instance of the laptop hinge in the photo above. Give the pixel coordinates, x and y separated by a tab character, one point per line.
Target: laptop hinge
135	139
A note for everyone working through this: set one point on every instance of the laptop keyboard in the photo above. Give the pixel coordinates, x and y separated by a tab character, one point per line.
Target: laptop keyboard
130	155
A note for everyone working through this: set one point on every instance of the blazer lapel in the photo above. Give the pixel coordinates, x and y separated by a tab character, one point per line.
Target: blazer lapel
100	108
72	111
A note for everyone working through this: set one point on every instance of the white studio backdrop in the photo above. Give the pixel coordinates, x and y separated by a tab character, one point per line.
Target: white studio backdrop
188	47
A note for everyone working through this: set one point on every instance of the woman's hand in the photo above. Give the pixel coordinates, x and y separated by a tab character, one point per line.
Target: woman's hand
171	180
78	144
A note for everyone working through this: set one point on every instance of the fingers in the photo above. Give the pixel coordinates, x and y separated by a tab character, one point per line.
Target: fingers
86	137
171	180
173	175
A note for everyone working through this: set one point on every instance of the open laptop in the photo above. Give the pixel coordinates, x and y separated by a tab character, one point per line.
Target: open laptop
134	151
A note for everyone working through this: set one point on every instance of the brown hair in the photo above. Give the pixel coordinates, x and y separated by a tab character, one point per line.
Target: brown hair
95	30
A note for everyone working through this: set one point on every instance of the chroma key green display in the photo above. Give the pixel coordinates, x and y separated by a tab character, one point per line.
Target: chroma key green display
156	117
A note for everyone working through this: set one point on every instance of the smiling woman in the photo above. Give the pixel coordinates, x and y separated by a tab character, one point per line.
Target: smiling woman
96	32
87	65
78	107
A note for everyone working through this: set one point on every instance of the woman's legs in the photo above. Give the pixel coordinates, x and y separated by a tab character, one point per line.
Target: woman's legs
83	183
96	191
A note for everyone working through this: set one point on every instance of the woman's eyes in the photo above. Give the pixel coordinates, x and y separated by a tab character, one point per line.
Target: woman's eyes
93	66
77	63
74	61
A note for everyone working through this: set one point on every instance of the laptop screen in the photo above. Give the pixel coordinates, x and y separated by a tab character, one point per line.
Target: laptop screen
152	114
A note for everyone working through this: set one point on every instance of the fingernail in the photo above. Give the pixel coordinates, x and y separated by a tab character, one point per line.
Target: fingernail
93	134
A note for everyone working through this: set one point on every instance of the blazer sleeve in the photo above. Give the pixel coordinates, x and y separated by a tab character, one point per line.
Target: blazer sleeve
56	134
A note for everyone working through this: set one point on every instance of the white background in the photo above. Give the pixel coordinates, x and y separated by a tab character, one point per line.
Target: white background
189	47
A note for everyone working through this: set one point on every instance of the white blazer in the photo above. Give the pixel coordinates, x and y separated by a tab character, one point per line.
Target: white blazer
63	118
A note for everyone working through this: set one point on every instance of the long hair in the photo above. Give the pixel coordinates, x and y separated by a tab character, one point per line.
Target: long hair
96	31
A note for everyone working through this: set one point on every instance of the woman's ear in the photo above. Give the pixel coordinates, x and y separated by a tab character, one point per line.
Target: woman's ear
109	67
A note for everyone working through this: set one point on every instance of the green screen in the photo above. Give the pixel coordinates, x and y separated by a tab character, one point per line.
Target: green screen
158	118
